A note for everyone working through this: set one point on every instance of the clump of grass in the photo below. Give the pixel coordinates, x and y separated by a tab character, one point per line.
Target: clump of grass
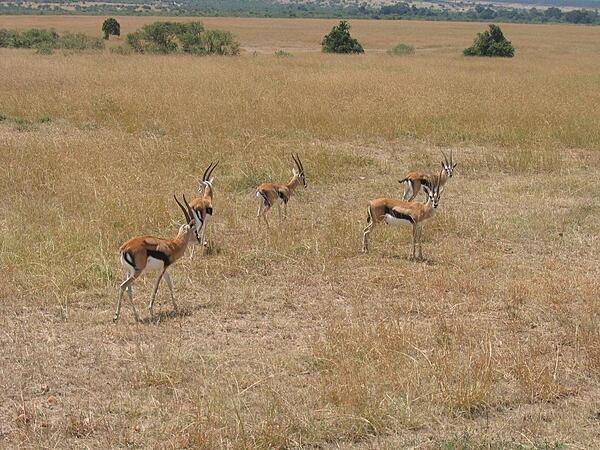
283	54
401	50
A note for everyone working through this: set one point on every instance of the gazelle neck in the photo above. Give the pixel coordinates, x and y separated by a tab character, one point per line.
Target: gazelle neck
207	192
294	183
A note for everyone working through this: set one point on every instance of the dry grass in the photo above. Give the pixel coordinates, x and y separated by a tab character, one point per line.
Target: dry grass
291	338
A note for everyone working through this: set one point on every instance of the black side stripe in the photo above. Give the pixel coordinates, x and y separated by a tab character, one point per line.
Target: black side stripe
398	215
159	255
282	196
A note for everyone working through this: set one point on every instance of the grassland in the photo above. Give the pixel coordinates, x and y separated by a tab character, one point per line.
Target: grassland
289	337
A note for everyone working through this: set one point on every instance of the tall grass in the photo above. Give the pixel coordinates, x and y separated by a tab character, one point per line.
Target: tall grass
289	337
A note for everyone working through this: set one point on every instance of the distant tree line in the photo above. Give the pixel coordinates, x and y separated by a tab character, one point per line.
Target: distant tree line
265	8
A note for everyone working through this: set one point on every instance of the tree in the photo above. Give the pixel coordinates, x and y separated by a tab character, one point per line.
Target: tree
490	43
340	41
111	26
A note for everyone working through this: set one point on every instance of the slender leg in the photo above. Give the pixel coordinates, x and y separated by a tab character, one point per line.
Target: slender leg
154	292
193	247
279	210
285	211
264	214
415	235
420	244
125	285
170	284
366	233
130	294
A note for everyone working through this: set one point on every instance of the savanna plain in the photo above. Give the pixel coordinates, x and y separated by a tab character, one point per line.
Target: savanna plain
289	337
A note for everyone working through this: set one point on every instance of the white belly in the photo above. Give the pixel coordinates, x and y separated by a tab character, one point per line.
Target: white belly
391	220
154	264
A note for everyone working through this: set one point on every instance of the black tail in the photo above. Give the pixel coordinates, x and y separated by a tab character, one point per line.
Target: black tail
402	181
265	198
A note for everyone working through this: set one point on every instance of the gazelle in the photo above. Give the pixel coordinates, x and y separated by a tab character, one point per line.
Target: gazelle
269	194
202	206
414	180
398	212
153	253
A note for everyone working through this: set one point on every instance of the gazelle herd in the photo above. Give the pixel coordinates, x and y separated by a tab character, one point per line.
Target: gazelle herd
153	253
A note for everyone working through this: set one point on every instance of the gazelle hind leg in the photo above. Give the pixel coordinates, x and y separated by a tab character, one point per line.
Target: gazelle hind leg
170	284
367	230
420	244
130	294
414	242
151	305
408	190
125	285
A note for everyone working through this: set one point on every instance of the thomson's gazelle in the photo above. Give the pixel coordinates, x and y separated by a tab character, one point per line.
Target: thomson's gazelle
153	253
398	212
269	194
202	206
414	180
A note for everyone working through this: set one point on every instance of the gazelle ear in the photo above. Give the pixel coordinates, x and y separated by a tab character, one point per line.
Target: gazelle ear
211	180
294	172
426	189
455	164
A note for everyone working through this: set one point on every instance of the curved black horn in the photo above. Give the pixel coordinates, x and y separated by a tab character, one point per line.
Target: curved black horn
298	162
185	212
451	157
209	174
206	172
445	157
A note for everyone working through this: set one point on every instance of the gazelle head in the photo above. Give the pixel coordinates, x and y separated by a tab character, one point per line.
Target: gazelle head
192	221
448	165
435	192
298	171
207	180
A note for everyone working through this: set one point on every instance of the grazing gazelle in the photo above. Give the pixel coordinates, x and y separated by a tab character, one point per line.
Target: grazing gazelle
202	206
269	194
153	253
398	212
414	180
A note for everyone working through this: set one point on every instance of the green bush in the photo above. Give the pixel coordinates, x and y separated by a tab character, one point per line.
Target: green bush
402	49
33	38
339	40
173	37
79	41
490	43
111	26
6	37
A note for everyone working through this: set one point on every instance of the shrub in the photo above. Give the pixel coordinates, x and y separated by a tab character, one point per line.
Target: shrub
339	40
171	37
33	38
6	37
490	43
111	26
402	49
283	54
79	41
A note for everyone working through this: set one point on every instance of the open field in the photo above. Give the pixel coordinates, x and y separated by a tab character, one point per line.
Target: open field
289	337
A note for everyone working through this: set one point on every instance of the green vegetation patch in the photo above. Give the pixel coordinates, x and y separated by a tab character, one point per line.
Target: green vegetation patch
174	37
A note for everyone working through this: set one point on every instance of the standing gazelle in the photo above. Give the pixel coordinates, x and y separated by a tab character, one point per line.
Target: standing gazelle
414	180
202	206
153	253
398	212
269	194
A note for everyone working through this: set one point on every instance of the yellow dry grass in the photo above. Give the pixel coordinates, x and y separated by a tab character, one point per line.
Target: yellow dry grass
289	337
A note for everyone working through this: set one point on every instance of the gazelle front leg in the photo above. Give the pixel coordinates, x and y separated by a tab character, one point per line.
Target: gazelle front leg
420	244
170	284
366	233
415	236
151	305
